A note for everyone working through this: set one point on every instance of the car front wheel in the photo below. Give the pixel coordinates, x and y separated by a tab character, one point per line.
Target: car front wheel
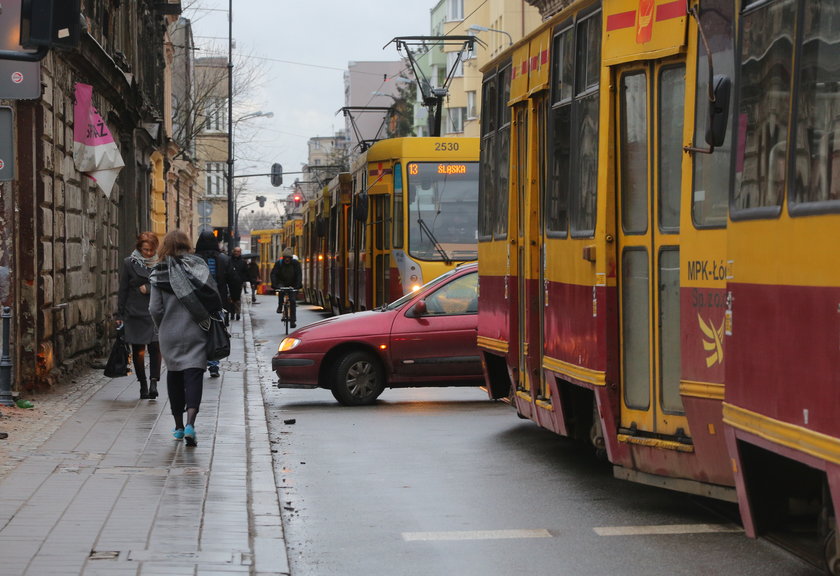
358	379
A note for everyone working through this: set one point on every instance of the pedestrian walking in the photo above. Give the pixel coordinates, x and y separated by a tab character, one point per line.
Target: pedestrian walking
238	278
254	279
207	247
133	312
287	272
183	298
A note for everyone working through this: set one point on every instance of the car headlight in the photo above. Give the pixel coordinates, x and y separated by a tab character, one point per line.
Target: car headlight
288	344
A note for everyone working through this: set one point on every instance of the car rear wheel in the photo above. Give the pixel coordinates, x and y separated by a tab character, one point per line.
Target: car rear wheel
358	379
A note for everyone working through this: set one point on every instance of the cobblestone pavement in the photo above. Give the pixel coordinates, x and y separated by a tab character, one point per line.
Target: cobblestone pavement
92	483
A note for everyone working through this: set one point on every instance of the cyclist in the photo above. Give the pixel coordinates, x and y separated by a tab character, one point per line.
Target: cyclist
287	272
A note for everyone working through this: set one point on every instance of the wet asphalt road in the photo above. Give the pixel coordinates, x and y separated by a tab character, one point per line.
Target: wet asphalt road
444	482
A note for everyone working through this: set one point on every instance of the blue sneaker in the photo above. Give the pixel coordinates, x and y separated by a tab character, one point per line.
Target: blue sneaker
178	433
189	435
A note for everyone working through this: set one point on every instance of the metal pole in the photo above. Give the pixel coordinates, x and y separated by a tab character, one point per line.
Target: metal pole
230	215
6	361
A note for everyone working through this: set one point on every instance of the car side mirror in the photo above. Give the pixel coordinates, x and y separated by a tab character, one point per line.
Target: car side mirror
419	309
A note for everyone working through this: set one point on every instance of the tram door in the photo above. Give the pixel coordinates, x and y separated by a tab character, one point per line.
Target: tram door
381	248
529	181
650	103
520	118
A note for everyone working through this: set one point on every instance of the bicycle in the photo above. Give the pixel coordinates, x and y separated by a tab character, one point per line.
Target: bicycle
286	309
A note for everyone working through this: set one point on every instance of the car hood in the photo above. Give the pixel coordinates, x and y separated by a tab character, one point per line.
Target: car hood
356	324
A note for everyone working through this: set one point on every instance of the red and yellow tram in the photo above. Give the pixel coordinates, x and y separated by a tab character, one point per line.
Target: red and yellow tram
657	260
412	216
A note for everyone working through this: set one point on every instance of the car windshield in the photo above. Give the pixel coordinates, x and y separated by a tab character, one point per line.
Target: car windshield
405	298
442	210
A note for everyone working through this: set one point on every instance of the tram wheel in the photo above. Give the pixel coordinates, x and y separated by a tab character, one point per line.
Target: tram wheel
832	558
358	379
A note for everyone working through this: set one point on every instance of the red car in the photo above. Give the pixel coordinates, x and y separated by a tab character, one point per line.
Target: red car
426	338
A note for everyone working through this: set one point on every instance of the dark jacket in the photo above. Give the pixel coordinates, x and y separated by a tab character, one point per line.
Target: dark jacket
254	273
239	274
207	246
130	300
287	274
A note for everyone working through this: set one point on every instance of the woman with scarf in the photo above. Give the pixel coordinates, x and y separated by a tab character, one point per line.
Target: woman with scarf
133	311
184	297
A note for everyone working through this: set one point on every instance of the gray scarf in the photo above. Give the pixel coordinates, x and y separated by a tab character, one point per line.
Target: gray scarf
188	277
138	257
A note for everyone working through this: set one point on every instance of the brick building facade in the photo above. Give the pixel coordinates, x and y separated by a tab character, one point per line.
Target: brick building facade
62	239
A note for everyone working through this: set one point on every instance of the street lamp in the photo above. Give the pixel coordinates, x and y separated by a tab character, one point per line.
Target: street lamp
232	218
259	114
477	28
230	198
261	200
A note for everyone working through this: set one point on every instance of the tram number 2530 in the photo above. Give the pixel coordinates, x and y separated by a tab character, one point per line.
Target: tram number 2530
446	146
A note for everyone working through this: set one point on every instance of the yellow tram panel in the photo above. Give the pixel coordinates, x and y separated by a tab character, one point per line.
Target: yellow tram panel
519	74
643	29
539	63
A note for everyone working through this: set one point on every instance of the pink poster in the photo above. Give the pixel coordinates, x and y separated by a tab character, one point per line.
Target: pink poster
94	151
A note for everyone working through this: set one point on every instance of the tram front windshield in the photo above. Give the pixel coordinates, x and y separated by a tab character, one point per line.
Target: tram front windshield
442	213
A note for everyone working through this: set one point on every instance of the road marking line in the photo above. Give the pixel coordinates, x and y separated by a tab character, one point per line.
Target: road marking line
475	535
666	529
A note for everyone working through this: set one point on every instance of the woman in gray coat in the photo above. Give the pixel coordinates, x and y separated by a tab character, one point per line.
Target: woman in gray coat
133	311
182	292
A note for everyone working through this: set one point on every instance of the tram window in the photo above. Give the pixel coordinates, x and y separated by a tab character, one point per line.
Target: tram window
489	106
487	184
585	166
671	114
588	52
712	171
584	175
398	207
564	66
503	157
763	115
817	159
503	186
557	194
495	154
634	153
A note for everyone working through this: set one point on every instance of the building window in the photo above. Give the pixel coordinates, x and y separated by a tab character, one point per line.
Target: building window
454	10
215	117
472	109
452	61
455	119
215	179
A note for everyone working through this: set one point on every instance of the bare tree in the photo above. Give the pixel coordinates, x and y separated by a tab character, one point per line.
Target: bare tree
257	220
200	85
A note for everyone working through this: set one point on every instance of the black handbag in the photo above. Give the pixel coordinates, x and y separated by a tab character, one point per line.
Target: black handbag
218	339
119	361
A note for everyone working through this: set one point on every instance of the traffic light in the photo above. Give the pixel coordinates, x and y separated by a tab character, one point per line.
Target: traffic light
276	174
297	198
261	200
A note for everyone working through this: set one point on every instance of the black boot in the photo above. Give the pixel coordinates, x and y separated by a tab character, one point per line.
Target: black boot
153	393
144	391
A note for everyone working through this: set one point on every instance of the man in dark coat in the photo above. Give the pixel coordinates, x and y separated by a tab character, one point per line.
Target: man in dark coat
239	275
287	272
207	247
254	278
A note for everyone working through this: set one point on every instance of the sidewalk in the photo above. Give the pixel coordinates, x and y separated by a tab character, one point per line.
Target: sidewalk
92	482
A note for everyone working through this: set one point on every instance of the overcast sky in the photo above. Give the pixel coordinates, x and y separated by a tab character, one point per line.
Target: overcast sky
301	50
